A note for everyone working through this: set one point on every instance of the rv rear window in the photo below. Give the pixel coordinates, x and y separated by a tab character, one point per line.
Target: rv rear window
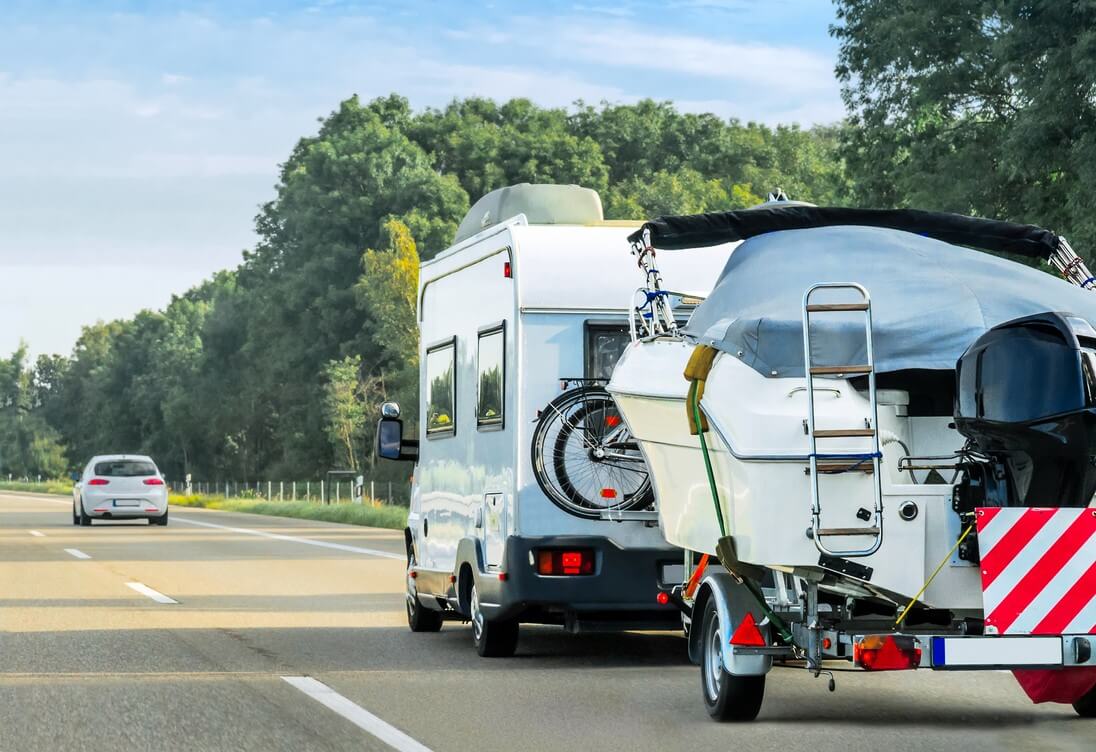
491	367
604	345
441	389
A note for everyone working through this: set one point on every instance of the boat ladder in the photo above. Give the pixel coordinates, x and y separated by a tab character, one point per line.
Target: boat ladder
867	463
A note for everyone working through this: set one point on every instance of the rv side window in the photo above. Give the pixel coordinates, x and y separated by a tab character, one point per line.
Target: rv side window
491	367
441	389
604	345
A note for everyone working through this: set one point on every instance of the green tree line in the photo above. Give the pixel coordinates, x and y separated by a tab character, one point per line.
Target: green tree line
276	368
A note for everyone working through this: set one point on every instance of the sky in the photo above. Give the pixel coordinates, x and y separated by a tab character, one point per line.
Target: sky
138	139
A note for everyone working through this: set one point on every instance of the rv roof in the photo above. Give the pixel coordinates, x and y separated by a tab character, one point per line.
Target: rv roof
542	204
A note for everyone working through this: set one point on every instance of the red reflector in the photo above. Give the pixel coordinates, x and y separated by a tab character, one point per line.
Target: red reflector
612	421
413	574
502	577
827	643
556	562
153	482
608	493
100	509
452	579
98	482
887	653
747	633
506	271
663	598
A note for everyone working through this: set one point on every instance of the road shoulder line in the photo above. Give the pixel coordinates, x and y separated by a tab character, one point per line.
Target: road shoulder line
294	539
355	713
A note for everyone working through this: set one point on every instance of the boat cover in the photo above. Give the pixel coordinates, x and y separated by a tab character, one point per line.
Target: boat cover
930	299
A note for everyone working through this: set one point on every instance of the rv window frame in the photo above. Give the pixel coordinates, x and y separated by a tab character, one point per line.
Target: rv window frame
440	433
491	424
589	326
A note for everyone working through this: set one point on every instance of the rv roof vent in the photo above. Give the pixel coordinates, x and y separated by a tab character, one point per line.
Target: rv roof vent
542	204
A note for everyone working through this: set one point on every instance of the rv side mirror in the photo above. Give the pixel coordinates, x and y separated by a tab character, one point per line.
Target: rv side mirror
390	442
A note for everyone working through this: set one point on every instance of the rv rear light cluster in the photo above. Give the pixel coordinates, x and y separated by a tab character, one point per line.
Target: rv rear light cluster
153	482
98	482
557	562
886	653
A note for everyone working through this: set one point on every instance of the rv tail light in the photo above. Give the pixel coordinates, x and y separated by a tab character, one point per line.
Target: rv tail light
748	634
506	270
98	482
612	421
153	482
887	653
503	577
608	493
557	562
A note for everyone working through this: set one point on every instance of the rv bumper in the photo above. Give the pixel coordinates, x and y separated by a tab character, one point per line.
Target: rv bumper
620	593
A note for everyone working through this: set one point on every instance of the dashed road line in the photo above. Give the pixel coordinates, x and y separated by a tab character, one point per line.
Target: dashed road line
77	553
295	539
355	713
148	592
37	534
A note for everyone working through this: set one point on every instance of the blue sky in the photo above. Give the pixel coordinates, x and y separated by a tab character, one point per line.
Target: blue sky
137	139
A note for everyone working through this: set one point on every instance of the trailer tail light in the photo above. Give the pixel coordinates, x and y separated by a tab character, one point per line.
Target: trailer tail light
153	482
748	634
887	653
98	482
556	562
612	421
663	598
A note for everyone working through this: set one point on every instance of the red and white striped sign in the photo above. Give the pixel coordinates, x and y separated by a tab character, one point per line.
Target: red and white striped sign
1038	570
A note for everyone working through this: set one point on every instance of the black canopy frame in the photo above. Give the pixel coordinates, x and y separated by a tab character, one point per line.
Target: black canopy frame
714	228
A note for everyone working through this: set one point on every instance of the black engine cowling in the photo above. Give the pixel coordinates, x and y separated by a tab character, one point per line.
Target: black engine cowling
1026	400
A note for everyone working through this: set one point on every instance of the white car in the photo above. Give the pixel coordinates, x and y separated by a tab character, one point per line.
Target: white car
119	487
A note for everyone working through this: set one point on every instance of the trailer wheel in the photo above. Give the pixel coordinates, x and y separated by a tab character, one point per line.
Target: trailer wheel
419	617
1086	706
726	697
493	639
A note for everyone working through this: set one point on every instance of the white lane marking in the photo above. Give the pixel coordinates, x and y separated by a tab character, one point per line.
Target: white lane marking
37	534
356	714
294	539
149	592
77	553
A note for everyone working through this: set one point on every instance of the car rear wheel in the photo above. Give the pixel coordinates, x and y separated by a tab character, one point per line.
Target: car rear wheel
85	520
726	697
493	639
161	520
75	516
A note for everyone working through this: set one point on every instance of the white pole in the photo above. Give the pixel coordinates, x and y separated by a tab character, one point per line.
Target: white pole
308	490
372	493
321	492
269	490
281	490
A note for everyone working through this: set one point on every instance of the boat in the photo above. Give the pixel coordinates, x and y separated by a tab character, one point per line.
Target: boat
865	403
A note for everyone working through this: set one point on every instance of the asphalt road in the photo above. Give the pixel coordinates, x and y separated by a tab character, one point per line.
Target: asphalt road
90	661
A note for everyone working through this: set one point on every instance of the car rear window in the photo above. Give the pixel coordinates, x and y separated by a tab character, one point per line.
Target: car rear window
124	468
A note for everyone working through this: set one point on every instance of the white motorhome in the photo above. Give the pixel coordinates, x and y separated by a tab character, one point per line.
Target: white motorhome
535	291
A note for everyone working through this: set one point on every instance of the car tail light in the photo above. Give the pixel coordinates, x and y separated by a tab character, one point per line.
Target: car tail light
565	562
153	482
886	653
98	482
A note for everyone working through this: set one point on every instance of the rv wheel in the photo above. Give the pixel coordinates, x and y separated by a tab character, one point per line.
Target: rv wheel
1086	706
726	697
419	617
493	639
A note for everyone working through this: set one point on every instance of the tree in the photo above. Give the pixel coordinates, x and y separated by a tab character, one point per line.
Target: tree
344	410
973	106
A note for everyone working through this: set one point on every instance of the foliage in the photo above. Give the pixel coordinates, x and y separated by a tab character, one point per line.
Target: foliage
979	106
277	368
387	516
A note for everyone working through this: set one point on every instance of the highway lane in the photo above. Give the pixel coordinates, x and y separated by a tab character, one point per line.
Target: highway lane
87	662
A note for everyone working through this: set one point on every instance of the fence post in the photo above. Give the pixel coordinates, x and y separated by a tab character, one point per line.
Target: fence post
308	490
389	492
281	490
372	493
322	498
294	494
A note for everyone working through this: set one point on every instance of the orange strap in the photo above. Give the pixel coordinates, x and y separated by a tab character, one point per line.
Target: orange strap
694	580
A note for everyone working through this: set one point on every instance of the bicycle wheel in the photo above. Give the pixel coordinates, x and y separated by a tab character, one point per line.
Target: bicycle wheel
584	458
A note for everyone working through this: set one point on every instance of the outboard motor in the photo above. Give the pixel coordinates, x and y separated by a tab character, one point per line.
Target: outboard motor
1026	401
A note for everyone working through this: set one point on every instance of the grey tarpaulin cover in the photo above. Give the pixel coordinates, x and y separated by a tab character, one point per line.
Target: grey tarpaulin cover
930	299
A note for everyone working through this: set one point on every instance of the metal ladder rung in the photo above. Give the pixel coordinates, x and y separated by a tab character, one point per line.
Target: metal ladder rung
831	370
841	433
843	531
824	307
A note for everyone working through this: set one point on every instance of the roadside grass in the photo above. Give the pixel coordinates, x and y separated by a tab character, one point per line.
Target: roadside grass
60	487
367	515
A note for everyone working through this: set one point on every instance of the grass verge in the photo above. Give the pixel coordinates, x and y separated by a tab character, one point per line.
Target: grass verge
367	515
61	487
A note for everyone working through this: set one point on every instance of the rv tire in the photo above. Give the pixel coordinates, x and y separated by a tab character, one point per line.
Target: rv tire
420	618
726	697
493	639
1086	706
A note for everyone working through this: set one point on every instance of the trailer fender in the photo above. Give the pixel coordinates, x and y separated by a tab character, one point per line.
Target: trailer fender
732	601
